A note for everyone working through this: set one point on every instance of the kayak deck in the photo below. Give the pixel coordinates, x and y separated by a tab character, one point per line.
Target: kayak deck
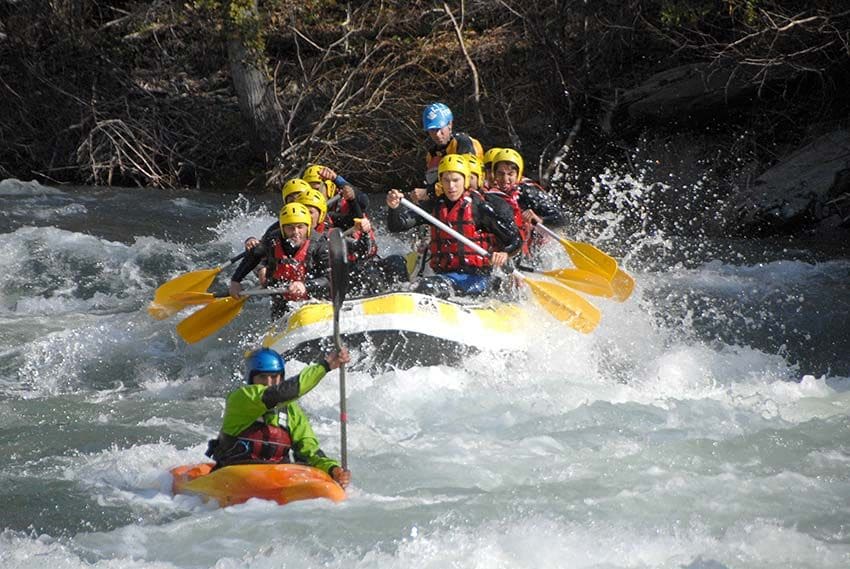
229	485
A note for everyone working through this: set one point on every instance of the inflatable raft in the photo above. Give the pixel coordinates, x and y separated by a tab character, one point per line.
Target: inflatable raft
402	329
282	483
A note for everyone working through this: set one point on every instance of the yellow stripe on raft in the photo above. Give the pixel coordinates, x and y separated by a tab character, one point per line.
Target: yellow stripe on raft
281	483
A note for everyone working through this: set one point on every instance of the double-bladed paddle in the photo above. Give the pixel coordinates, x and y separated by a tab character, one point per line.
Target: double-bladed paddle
339	286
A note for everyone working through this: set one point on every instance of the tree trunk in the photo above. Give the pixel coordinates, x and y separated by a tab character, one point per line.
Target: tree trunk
257	101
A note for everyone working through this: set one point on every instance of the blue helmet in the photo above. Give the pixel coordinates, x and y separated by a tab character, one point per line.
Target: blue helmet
436	115
264	360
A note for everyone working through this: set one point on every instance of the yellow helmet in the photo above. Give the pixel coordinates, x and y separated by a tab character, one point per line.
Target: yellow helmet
295	213
314	198
508	155
454	163
312	176
294	186
488	156
475	166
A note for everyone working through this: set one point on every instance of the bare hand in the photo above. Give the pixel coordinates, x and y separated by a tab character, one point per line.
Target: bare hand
297	288
348	193
529	216
362	225
498	259
418	194
235	289
336	359
327	174
394	198
251	242
342	477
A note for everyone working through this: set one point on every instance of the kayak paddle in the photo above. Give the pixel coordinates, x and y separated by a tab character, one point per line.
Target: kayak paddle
339	284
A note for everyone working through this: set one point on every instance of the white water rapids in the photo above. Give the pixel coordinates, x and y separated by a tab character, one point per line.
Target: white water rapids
703	425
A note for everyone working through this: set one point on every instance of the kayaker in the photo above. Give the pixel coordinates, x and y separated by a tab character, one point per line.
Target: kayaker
295	261
263	424
459	270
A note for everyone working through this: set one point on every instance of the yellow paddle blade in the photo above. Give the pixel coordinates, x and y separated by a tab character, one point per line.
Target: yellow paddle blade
197	281
584	281
623	285
210	319
191	298
588	258
565	305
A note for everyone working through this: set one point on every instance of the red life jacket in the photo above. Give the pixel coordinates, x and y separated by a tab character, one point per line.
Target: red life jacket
266	443
447	253
511	196
290	269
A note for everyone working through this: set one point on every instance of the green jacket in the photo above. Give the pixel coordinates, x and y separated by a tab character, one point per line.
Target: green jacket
276	406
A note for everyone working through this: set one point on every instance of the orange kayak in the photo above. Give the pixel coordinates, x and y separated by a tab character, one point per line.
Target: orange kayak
282	483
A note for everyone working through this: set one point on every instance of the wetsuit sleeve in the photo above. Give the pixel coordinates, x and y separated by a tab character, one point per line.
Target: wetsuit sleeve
401	219
500	223
305	445
317	281
249	262
295	387
544	204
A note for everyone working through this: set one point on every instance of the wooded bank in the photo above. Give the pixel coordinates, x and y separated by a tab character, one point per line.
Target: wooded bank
232	94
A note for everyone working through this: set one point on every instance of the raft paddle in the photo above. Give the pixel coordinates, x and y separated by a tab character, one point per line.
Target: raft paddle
587	257
217	314
578	279
164	306
339	284
559	301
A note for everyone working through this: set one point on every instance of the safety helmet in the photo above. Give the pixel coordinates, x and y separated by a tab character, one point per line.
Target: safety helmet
488	156
294	186
312	176
475	166
436	115
263	360
314	198
508	155
454	163
296	213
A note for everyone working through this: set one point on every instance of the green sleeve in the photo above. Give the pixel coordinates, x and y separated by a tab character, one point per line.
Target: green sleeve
305	445
242	408
310	377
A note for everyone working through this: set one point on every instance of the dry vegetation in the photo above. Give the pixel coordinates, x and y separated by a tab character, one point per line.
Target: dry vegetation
140	93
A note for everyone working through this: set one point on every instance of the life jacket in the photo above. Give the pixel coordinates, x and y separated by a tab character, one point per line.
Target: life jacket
290	268
460	143
512	199
262	442
447	253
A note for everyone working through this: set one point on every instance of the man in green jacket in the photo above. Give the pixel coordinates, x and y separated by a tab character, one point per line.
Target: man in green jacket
263	424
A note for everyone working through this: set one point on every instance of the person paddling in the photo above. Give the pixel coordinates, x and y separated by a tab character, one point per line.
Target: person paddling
352	203
459	270
295	260
263	424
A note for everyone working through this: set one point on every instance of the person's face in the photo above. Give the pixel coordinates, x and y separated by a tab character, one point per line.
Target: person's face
292	197
452	183
506	174
295	233
318	186
473	181
314	213
269	379
441	136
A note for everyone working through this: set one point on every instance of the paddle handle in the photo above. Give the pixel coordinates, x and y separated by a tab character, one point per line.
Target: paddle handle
234	259
430	218
548	231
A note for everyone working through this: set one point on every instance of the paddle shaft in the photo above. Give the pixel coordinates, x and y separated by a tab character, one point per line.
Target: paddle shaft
339	282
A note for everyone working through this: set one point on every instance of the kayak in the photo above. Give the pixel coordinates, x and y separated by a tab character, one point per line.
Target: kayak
402	329
229	485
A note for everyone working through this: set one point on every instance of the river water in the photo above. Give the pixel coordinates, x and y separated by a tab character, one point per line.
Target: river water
704	424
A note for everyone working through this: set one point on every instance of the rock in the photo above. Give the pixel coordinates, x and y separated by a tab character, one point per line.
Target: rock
802	188
687	91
